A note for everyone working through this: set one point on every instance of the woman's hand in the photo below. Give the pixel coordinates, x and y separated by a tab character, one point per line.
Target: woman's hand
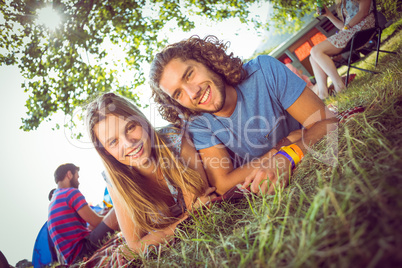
205	199
318	9
326	13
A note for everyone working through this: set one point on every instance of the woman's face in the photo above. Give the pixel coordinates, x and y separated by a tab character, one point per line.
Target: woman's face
124	139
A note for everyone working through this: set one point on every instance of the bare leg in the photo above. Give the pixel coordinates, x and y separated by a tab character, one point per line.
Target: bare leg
320	88
320	55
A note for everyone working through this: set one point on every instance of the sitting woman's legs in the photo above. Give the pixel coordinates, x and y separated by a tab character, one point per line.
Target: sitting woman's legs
323	66
320	87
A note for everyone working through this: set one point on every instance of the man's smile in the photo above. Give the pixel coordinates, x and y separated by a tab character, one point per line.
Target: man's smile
205	97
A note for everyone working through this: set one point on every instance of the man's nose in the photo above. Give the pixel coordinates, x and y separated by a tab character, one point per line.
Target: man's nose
192	91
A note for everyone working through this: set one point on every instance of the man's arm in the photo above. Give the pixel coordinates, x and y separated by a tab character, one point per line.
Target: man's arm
219	168
89	216
317	120
309	110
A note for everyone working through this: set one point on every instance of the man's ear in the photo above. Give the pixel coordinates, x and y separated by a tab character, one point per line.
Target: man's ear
69	175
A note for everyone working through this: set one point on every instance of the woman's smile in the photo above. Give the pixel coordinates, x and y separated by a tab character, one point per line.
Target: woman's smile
136	152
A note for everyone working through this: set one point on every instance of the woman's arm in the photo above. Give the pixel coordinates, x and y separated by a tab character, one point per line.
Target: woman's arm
364	11
137	240
159	237
335	21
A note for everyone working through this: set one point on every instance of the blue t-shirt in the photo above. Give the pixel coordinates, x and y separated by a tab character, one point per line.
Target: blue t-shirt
260	118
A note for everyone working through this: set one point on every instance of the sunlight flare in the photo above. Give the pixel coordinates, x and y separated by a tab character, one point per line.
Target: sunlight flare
48	17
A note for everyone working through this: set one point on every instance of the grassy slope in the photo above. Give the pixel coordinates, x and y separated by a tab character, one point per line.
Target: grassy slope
342	213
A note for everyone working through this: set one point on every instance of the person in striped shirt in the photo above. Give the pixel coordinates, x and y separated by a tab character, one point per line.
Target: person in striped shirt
75	229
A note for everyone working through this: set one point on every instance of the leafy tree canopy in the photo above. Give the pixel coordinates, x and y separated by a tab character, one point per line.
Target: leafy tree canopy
65	67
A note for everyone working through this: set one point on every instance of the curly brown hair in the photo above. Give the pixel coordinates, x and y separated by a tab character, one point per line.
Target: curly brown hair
211	52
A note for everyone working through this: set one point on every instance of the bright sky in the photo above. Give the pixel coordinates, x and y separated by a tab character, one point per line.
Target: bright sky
30	158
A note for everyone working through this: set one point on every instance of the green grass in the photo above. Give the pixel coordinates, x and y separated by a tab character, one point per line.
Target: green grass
344	214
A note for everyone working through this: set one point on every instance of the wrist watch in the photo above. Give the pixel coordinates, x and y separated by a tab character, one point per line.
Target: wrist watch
347	27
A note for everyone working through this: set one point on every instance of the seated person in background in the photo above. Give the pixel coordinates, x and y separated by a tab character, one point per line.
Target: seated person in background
51	194
69	214
154	177
355	16
237	111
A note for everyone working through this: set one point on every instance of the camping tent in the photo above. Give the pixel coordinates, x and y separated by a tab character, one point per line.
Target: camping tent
43	253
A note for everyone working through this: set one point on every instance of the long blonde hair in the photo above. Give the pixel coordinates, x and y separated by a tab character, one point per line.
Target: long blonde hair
338	4
144	206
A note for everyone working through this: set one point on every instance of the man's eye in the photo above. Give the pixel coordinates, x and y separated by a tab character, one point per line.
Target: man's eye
189	75
178	94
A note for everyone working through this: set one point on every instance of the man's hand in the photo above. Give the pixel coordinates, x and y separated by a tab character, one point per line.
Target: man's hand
265	179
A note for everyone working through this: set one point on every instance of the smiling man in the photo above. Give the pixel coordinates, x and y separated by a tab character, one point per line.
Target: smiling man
237	113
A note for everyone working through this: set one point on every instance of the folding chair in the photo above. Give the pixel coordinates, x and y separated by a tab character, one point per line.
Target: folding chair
361	38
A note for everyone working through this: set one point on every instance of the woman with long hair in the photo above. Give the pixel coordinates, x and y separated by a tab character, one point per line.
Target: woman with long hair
154	177
355	15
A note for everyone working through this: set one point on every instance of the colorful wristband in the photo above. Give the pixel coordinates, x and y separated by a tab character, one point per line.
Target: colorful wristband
297	150
291	153
288	157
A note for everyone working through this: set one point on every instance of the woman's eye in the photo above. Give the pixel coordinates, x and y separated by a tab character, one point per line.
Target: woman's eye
113	142
130	127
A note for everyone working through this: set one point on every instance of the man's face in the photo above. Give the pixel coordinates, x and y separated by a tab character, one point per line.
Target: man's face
74	181
193	85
